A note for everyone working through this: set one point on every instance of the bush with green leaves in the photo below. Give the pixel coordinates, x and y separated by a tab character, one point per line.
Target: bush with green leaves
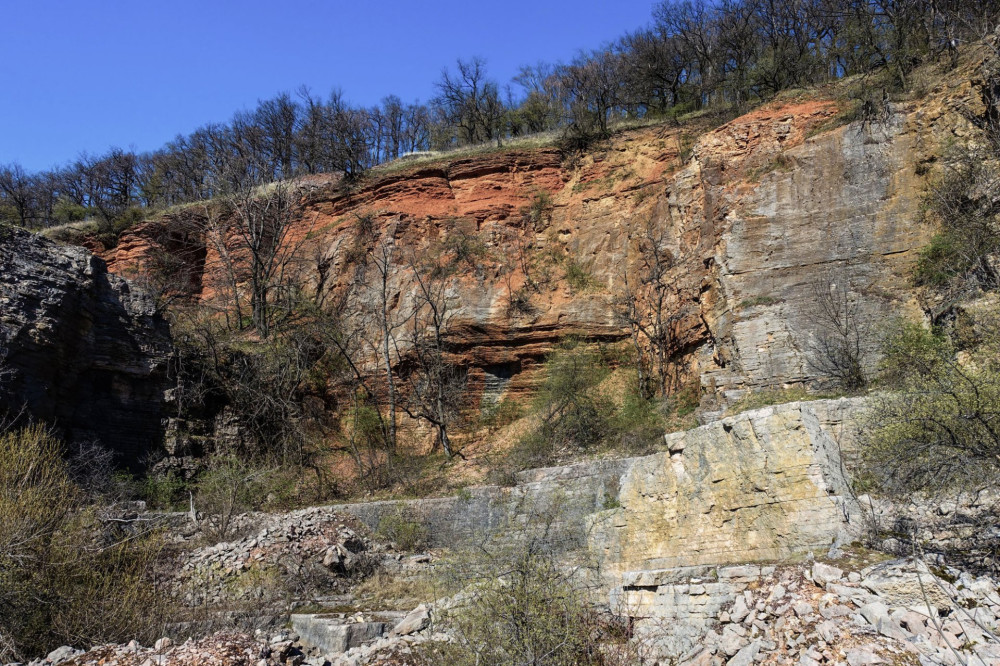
574	414
937	427
964	202
403	529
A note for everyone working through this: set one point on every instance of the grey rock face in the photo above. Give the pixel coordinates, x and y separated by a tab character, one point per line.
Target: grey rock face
336	636
80	348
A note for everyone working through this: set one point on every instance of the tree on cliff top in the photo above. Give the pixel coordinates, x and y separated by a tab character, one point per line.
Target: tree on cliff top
255	239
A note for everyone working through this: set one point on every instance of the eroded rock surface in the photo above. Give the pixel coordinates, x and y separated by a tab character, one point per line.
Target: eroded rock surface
80	348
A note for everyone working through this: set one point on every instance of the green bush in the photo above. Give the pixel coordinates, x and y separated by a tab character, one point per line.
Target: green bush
940	262
964	201
638	424
573	411
167	491
573	415
937	426
500	414
539	211
577	277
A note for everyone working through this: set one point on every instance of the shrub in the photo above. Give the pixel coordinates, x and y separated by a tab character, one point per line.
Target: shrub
402	529
519	605
164	490
965	204
500	414
639	424
64	576
573	412
844	343
539	211
466	247
519	301
577	277
229	487
939	428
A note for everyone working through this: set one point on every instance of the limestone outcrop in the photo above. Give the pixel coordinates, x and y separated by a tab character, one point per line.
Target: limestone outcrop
763	486
80	348
759	486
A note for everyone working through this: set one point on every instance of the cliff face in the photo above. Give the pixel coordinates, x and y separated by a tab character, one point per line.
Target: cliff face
764	219
81	349
661	533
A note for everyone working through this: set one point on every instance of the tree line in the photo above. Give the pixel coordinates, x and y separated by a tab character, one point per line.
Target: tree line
695	54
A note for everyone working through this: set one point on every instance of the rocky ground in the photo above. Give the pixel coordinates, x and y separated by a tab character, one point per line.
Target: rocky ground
899	611
893	612
311	552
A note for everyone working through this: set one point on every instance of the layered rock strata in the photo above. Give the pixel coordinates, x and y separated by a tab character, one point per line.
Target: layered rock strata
80	348
761	221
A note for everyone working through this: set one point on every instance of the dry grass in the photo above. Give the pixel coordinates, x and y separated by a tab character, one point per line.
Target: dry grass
386	591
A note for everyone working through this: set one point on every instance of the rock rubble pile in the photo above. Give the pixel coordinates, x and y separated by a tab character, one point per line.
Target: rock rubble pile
901	611
312	551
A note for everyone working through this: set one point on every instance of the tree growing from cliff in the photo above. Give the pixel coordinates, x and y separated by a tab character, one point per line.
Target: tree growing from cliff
436	384
263	224
647	305
843	341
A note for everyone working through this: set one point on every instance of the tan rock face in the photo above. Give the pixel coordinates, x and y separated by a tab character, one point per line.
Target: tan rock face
760	486
758	215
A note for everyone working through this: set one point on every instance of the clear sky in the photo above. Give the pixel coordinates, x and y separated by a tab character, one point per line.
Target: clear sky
84	75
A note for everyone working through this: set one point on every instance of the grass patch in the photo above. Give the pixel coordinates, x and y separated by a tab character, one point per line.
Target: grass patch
768	397
71	233
757	301
385	591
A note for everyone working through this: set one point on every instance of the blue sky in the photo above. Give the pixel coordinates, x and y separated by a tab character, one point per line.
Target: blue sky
86	75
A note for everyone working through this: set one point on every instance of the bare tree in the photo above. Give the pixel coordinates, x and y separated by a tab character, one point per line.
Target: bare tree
842	337
379	304
263	217
17	190
436	384
471	103
646	306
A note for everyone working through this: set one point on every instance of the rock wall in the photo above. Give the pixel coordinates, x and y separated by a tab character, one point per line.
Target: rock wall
763	486
760	486
80	348
758	216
